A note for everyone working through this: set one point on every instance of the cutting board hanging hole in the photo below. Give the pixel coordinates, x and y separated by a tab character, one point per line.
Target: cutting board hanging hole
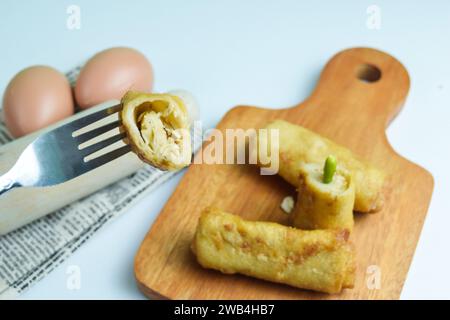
368	73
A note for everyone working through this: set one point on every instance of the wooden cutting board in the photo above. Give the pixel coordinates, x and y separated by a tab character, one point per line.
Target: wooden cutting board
359	92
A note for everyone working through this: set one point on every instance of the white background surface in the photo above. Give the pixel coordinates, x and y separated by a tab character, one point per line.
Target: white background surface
246	52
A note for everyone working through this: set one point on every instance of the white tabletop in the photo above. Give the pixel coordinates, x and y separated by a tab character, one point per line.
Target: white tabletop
246	52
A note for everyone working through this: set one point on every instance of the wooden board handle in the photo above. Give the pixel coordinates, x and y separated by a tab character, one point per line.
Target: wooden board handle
359	78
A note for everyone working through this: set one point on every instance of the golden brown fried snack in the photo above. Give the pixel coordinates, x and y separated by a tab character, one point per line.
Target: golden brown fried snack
320	260
324	205
298	145
157	127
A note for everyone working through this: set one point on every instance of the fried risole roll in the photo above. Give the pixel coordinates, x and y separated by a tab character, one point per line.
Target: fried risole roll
320	260
324	205
298	145
157	127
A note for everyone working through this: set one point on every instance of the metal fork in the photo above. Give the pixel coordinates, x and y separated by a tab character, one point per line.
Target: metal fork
56	156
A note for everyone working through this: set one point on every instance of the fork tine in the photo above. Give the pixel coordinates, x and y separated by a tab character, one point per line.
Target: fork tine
103	159
101	144
93	117
96	132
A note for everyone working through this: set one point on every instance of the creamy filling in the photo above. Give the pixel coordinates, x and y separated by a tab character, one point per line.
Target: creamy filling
337	186
165	141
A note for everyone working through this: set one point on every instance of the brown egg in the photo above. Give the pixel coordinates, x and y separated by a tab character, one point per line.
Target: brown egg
35	98
110	74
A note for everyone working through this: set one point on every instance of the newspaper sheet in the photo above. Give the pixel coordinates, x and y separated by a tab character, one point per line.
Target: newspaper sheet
30	253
